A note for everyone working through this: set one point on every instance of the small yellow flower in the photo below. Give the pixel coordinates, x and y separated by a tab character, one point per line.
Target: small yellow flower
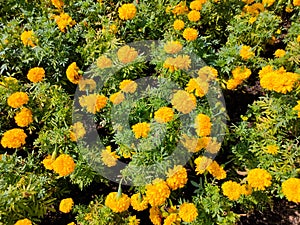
17	99
73	73
196	5
57	3
202	125
127	11
272	149
188	212
155	215
77	131
241	73
178	24
139	202
64	165
66	205
72	223
63	20
47	162
279	53
233	83
104	62
172	47
157	192
177	177
246	52
117	98
27	37
87	84
268	3
232	190
36	74
180	8
190	34
296	2
183	101
298	38
141	129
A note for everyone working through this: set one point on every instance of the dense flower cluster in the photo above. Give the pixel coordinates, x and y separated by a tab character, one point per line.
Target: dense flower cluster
13	138
117	203
127	11
17	99
259	179
24	117
64	165
239	75
177	177
108	157
183	101
157	192
291	189
36	74
66	205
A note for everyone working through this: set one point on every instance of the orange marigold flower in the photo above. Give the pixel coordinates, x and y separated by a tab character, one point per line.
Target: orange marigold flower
27	37
117	98
271	149
193	16
265	70
233	83
246	189
203	125
171	219
259	179
64	165
254	9
108	157
24	117
73	73
13	138
64	20
104	62
202	164
139	202
57	3
117	203
213	146
178	24
188	212
198	85
172	47
184	102
23	222
180	8
216	171
291	189
87	84
36	74
127	11
155	216
47	162
17	99
279	53
194	144
232	190
141	129
164	115
268	3
128	86
177	177
157	192
77	131
196	5
127	54
93	102
246	52
296	2
241	73
190	34
207	73
66	205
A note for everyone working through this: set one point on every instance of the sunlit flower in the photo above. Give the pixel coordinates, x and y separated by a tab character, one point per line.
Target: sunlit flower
178	24
103	62
127	11
133	220
171	219
232	190
77	131
259	179
296	2
233	83
66	205
128	86
188	212
279	53
254	9
196	5
64	165
190	34
194	144
117	203
268	3
172	47
155	216
23	222
183	101
47	162
177	177
108	157
139	202
241	73
87	84
24	117
202	125
164	115
73	73
193	16
17	99
246	52
202	163
27	37
291	189
216	171
157	192
13	138
64	20
36	74
127	54
57	3
207	73
117	98
198	86
93	102
272	149
141	129
180	8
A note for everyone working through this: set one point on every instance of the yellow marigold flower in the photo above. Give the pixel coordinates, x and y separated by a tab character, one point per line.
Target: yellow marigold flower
254	9
172	47
198	85
77	131
246	52
24	117
265	70
171	219
64	20
139	202
279	53
88	216
170	64
296	2
108	157
178	24
128	86
73	73
188	212
202	125
183	62
64	165
196	5
259	179
193	16
47	162
13	138
157	192
141	129
213	146
117	98
8	81
36	74
113	28
291	189
17	99
87	84
298	38
57	3
93	102
177	177
133	220
180	8
164	115
127	11
207	73
194	144
155	216
241	73
190	34
66	205
23	222
272	149
117	203
252	19
127	54
233	83
202	163
216	171
232	190
183	101
72	223
297	108
268	3
104	62
27	37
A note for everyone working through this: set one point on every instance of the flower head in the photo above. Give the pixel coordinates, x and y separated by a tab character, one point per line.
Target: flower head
13	138
27	37
183	101
193	16
77	131
141	129
63	20
203	125
87	84
133	220
259	179
108	157
271	149
291	189
188	212
57	3
17	99
127	11
104	62
128	86
197	85
180	8
64	165
66	205
127	54
155	215
190	34
23	222
178	24
177	177
241	73
172	47
164	115
216	171
117	203
296	2
24	117
233	83
73	73
117	98
196	5
279	53
246	52
36	74
47	162
139	202
93	102
157	192
232	190
194	144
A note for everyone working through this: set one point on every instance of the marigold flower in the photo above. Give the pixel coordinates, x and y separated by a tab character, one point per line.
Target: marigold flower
36	74
127	54
193	16
190	34
127	11
64	20
233	83
133	220
177	177
213	146
178	24
196	5
216	171
64	165
13	138
24	117
139	202
128	86
194	144
172	47
155	216
87	84
141	129
198	85
17	99
202	164
171	219
188	212
93	102
117	98
232	190
47	162
108	157
73	73
66	205
182	62
77	131
291	189
279	53
272	149
265	70
57	3
246	52
27	37
157	192
246	189
23	222
117	203
180	8
104	62
254	9
164	115
241	73
8	81
202	125
296	2
207	73
259	179
184	102
268	3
